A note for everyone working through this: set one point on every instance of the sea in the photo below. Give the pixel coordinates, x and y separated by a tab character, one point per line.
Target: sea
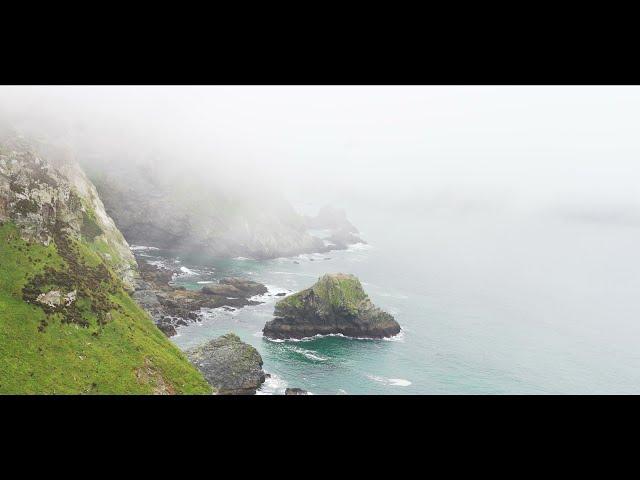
489	303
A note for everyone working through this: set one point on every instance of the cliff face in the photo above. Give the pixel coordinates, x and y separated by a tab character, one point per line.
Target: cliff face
191	216
38	192
67	323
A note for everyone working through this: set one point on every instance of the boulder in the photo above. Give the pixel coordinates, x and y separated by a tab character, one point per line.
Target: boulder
231	366
336	304
295	391
248	287
223	290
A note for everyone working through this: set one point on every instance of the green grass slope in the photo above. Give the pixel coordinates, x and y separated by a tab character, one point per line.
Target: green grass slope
102	343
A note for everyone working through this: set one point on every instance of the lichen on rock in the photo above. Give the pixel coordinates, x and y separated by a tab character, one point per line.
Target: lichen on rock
336	304
231	366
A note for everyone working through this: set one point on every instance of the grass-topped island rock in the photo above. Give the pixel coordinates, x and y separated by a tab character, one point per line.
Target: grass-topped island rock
336	304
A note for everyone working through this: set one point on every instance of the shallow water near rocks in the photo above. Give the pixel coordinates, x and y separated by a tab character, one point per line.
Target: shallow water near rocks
514	306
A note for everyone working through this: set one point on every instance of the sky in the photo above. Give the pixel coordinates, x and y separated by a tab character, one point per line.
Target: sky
497	146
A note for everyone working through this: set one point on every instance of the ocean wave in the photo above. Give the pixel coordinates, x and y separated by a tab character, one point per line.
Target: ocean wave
395	382
272	291
204	282
137	248
394	295
273	385
318	336
188	271
359	247
310	354
396	338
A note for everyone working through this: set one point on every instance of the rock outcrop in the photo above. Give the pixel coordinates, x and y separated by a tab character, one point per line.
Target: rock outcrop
184	214
42	187
171	307
295	391
342	232
336	304
67	322
231	366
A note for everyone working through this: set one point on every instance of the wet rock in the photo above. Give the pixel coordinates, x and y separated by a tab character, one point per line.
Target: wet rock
295	391
231	366
336	304
220	289
248	287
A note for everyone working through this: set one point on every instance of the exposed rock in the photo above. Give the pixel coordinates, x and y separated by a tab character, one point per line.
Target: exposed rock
42	187
52	298
336	304
281	294
166	209
171	306
219	289
231	366
331	218
247	286
295	391
341	239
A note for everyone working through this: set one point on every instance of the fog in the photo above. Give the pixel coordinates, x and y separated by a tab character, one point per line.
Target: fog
451	148
501	221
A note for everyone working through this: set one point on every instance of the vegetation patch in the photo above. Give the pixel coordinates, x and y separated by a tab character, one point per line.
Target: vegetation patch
109	346
90	228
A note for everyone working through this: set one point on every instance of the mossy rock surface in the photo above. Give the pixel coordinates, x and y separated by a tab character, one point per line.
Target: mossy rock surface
103	343
231	366
67	324
336	304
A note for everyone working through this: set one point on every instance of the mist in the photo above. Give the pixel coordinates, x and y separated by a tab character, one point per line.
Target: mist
497	224
432	148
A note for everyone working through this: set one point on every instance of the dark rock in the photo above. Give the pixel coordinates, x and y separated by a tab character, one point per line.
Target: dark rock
176	305
336	304
281	294
295	391
219	289
231	366
168	329
249	287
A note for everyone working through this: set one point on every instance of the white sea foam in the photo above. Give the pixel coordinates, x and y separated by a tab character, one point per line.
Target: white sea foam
394	295
188	271
137	248
272	290
310	354
273	385
395	382
205	282
397	338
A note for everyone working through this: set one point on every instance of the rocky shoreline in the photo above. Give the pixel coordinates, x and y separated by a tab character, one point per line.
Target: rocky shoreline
171	306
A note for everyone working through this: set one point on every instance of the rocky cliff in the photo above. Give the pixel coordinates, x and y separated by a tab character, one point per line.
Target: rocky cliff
187	214
336	304
67	323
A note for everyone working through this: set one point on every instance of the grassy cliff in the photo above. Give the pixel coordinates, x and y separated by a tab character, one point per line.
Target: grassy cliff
67	323
104	344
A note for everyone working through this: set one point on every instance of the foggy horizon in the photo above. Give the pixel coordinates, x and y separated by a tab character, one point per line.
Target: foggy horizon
452	148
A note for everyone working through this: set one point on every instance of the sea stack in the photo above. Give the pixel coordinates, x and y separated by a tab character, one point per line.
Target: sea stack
336	304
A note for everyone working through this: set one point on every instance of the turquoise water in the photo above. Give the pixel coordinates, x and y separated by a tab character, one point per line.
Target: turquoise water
486	305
